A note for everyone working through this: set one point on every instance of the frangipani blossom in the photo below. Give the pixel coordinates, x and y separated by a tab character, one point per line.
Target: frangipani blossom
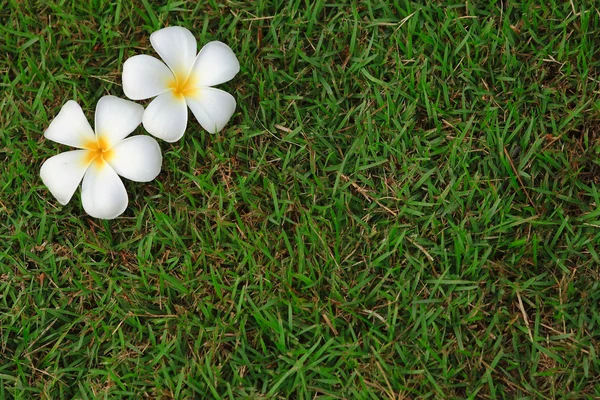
185	81
103	156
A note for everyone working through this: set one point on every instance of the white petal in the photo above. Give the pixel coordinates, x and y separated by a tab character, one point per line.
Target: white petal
166	117
212	108
145	77
63	173
103	194
177	47
216	63
137	158
116	118
70	127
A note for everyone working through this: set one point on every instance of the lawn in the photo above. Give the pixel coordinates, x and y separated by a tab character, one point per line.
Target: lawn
405	204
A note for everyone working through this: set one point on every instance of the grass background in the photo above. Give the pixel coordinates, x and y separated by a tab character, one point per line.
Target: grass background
404	205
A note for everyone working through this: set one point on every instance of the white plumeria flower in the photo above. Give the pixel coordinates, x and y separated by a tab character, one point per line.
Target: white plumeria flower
104	155
186	82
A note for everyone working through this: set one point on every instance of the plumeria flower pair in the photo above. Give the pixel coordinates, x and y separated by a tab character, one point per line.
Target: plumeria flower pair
104	155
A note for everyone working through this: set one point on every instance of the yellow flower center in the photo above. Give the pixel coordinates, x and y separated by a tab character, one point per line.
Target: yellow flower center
183	87
98	152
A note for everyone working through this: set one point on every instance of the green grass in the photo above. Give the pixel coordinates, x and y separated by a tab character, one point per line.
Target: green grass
406	204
